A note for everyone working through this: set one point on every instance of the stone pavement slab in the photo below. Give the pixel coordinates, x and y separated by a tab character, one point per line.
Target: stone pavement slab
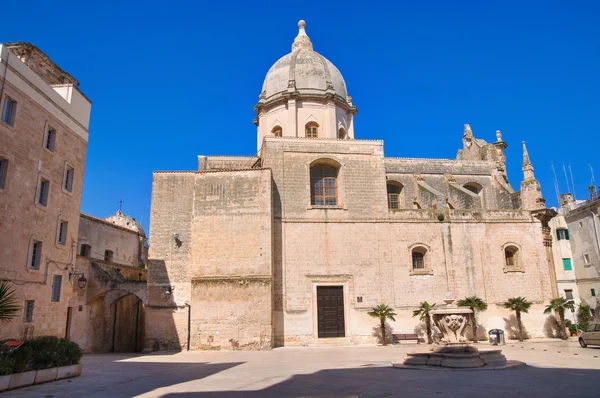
554	368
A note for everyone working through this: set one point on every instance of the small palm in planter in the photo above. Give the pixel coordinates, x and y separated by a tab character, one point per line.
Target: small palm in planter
424	314
475	304
8	303
518	305
383	312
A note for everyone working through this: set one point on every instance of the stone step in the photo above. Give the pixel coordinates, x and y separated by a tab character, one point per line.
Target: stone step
331	342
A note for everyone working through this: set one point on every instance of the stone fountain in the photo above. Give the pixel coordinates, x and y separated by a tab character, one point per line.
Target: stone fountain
455	352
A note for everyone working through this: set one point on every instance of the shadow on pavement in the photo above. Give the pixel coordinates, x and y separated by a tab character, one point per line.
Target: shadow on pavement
391	382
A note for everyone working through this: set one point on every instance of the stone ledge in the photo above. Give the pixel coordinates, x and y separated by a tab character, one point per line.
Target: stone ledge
508	365
18	380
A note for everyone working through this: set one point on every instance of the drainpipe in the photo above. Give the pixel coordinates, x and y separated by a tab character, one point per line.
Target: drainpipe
189	325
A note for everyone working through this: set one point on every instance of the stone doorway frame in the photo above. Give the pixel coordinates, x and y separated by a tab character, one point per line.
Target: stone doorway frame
330	280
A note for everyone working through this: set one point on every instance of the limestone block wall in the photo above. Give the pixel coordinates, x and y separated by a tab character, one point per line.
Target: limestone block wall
206	226
367	249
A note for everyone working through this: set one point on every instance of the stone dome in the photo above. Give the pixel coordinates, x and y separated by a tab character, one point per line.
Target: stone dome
124	221
303	71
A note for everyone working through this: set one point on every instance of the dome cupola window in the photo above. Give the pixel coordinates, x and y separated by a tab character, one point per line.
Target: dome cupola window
312	130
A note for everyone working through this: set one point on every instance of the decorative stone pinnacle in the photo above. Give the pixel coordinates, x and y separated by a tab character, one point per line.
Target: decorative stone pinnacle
498	136
467	131
302	40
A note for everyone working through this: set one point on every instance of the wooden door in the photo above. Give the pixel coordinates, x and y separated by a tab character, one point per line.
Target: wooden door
330	311
68	328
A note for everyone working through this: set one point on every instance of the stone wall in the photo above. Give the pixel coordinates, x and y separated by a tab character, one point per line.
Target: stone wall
205	226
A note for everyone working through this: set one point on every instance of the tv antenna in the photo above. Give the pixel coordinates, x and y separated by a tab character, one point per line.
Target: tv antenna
566	178
593	184
555	183
572	182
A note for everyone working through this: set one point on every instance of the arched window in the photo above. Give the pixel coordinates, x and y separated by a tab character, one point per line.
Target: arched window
420	264
473	187
511	256
323	185
312	130
341	133
418	260
393	193
277	131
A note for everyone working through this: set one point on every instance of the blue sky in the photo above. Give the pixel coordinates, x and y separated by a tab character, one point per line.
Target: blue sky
171	80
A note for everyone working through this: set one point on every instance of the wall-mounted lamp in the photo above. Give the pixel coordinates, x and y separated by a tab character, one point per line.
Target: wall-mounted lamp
81	281
169	291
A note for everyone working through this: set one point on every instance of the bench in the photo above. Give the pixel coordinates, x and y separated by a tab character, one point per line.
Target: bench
401	337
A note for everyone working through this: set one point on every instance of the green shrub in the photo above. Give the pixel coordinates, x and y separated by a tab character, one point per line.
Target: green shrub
41	353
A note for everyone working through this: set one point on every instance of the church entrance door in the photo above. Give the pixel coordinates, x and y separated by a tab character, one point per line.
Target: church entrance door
330	311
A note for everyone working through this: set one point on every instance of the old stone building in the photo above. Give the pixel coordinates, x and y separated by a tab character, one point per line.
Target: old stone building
43	140
294	246
112	255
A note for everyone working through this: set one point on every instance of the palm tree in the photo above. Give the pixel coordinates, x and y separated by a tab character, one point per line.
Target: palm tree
475	304
518	305
423	312
558	305
8	303
383	312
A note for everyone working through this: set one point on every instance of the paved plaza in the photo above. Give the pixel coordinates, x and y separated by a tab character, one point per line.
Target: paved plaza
554	369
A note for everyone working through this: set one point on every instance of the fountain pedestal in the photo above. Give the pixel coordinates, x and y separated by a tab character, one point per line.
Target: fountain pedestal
455	352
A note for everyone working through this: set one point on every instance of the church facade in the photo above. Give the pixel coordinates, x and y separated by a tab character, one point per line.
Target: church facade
295	245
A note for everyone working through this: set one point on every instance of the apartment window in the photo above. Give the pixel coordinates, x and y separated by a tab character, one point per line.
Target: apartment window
56	286
63	228
562	234
3	171
593	291
28	311
69	175
85	250
323	185
108	256
586	259
43	193
50	139
8	111
567	265
36	255
569	294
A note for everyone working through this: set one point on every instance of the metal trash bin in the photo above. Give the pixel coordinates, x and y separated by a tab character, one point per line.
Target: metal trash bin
497	337
493	337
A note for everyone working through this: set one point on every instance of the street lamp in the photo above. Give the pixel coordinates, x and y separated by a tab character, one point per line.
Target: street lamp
82	281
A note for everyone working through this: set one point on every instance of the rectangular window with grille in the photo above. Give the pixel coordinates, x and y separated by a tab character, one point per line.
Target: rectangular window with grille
56	286
3	171
8	111
567	265
569	294
63	228
28	311
43	192
50	139
36	255
69	175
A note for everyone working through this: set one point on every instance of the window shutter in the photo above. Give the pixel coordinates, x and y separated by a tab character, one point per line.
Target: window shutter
558	234
566	234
